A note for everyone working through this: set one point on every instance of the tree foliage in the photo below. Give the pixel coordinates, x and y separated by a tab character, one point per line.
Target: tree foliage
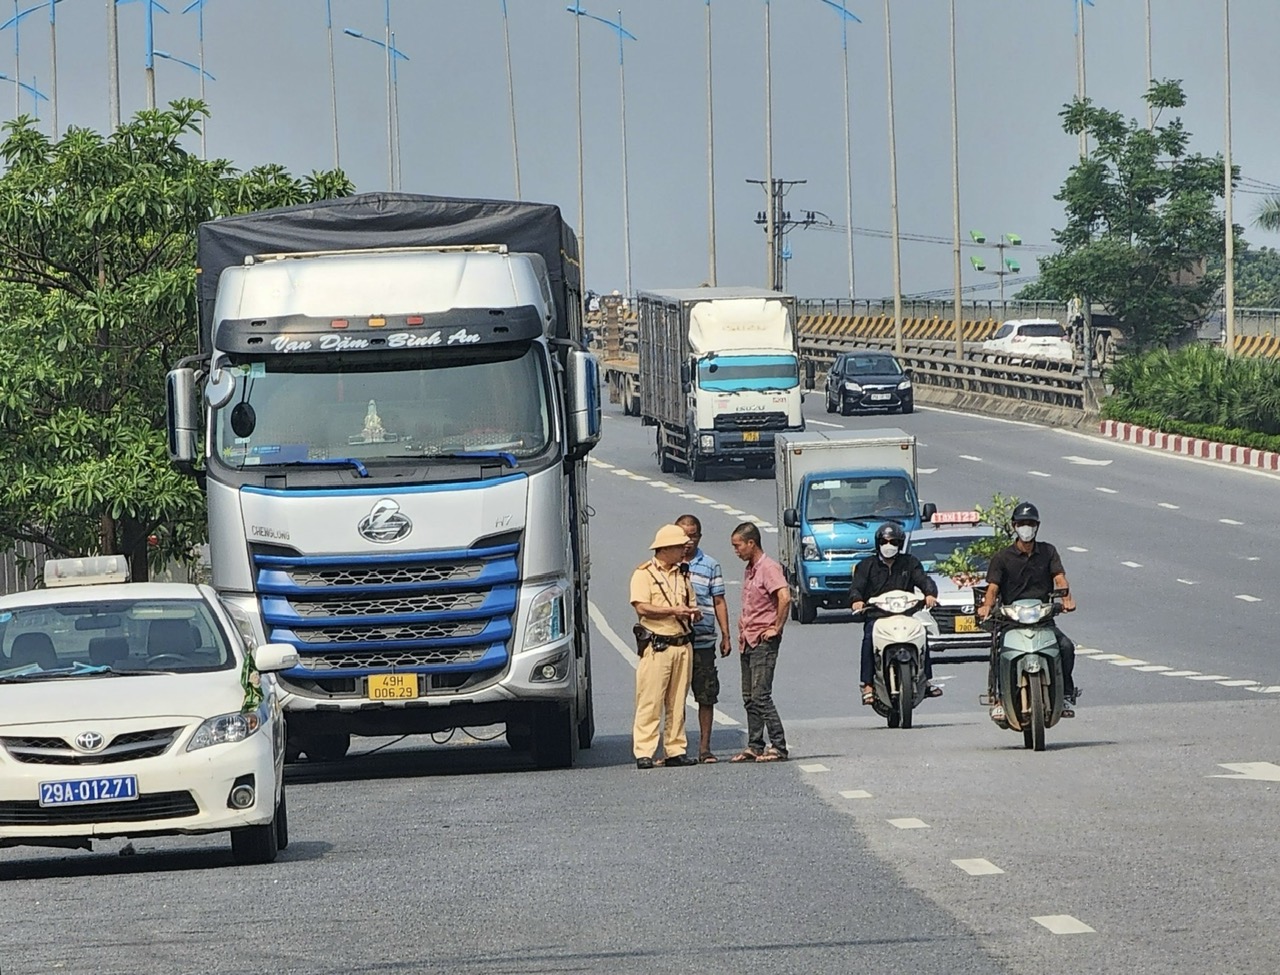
97	302
967	566
1142	220
1039	290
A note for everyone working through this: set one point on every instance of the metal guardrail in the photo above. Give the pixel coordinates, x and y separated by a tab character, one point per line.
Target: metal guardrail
997	311
20	568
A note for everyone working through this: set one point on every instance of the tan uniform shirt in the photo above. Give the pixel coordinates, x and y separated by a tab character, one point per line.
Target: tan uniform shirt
657	585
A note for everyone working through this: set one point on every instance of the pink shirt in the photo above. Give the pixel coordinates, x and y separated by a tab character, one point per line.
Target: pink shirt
760	587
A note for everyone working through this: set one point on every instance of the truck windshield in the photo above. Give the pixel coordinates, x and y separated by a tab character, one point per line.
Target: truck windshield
859	499
738	373
325	408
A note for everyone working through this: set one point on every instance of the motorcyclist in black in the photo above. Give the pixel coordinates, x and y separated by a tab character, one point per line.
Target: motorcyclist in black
889	568
1029	569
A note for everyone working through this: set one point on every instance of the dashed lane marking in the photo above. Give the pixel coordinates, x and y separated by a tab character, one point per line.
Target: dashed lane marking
1073	459
1039	474
1166	504
1179	673
1230	521
1107	490
1187	582
977	460
977	868
1063	924
909	822
1127	662
1238	683
1076	548
927	470
855	794
1132	565
814	767
601	464
824	423
629	655
1104	656
1245	597
1258	771
1275	689
1152	668
1206	677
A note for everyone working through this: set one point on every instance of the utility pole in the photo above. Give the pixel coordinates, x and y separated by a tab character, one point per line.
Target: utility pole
777	222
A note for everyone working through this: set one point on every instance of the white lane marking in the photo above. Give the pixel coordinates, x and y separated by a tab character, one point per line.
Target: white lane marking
1107	490
1128	662
1207	677
661	484
1087	650
814	767
1229	521
1104	656
1253	558
1152	668
1245	597
704	500
1039	474
629	655
622	472
1132	565
691	496
909	823
1258	771
1265	690
1187	582
1178	673
971	457
1073	459
824	423
977	868
675	490
855	794
927	470
601	464
770	530
1238	683
989	419
639	477
1166	504
1076	548
1063	924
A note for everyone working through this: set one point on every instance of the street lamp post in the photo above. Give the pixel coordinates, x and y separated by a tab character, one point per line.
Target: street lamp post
771	229
845	17
711	164
1081	90
113	66
576	10
198	7
1229	258
393	100
511	97
958	303
333	84
1151	121
893	189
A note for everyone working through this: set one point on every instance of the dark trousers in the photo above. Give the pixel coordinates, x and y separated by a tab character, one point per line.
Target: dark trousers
758	664
1066	651
868	670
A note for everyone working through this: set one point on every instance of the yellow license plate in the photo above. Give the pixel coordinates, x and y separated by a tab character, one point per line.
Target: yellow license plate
966	624
751	436
393	687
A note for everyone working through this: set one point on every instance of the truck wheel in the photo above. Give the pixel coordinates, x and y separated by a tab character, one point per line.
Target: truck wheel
555	736
587	721
327	748
665	463
807	609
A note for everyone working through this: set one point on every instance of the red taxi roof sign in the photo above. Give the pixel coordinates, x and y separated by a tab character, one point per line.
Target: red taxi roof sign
956	518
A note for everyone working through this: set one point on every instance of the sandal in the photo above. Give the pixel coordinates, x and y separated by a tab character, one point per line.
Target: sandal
746	755
868	694
706	758
933	690
772	754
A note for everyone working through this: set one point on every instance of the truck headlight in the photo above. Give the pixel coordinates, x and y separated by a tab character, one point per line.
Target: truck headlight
546	618
707	443
905	384
852	388
227	728
809	549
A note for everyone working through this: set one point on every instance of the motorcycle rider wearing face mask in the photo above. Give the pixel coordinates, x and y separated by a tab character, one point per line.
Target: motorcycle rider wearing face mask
1030	569
890	568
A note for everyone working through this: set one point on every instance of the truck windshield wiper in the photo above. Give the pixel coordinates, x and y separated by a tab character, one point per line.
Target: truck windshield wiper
328	462
505	456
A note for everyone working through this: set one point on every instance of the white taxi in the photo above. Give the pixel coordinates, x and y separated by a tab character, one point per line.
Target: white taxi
957	622
135	710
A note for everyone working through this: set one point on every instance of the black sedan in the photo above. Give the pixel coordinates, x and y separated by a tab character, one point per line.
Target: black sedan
862	381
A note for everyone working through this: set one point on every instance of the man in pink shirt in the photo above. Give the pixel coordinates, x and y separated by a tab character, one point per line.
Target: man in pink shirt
766	603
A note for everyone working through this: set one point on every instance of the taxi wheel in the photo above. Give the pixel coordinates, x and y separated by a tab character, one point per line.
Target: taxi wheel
255	844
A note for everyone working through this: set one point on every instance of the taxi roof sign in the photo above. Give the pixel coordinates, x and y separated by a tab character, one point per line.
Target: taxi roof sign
956	518
92	571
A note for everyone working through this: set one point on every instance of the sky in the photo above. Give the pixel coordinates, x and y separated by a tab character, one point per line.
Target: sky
270	103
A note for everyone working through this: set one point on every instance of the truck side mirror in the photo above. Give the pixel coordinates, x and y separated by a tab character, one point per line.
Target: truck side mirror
182	419
810	374
928	511
790	518
582	400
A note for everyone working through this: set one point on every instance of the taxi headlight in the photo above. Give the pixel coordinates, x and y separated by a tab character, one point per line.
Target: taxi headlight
546	618
226	728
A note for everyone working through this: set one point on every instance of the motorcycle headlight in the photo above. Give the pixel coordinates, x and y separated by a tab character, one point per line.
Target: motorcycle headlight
546	618
852	388
809	549
905	384
227	728
898	604
1027	614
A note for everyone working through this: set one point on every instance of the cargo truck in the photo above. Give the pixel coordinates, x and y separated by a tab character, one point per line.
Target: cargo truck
719	376
395	410
833	492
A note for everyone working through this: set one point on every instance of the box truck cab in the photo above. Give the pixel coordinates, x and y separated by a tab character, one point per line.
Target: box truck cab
833	492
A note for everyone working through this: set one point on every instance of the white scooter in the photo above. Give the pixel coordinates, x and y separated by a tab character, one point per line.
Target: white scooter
899	637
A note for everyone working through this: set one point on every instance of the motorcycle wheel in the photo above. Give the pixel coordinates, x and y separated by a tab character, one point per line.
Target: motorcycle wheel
904	702
1037	717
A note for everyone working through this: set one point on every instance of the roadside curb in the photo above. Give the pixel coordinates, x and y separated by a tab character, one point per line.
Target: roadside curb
1265	460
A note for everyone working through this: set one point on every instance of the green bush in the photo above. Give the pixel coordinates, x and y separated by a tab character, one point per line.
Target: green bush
1198	391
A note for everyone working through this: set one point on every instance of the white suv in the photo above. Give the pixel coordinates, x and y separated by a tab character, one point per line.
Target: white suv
1032	338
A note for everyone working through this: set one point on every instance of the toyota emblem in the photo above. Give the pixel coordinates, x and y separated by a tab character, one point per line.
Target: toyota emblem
89	741
385	523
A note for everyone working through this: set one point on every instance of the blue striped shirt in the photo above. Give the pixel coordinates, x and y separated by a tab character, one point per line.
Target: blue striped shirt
708	582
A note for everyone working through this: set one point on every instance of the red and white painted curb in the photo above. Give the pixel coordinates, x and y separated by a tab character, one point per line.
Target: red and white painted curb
1191	446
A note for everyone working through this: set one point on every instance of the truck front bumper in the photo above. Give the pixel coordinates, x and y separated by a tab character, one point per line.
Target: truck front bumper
828	580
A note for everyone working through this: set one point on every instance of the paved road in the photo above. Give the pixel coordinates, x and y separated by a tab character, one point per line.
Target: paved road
456	858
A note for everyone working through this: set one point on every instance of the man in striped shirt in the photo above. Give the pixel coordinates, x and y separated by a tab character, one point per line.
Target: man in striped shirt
708	586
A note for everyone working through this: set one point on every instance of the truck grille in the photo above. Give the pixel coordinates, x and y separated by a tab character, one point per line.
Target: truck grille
443	610
751	421
159	805
123	748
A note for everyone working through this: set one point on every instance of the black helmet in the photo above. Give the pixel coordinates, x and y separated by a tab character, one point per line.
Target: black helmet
890	532
1026	511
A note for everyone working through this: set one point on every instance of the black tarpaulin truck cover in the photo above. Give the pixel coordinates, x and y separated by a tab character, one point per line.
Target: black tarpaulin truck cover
377	220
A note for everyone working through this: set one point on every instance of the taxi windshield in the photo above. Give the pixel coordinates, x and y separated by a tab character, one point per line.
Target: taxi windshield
930	549
111	636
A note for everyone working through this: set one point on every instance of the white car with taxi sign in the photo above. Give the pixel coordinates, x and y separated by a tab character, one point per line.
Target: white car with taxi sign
936	540
136	710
